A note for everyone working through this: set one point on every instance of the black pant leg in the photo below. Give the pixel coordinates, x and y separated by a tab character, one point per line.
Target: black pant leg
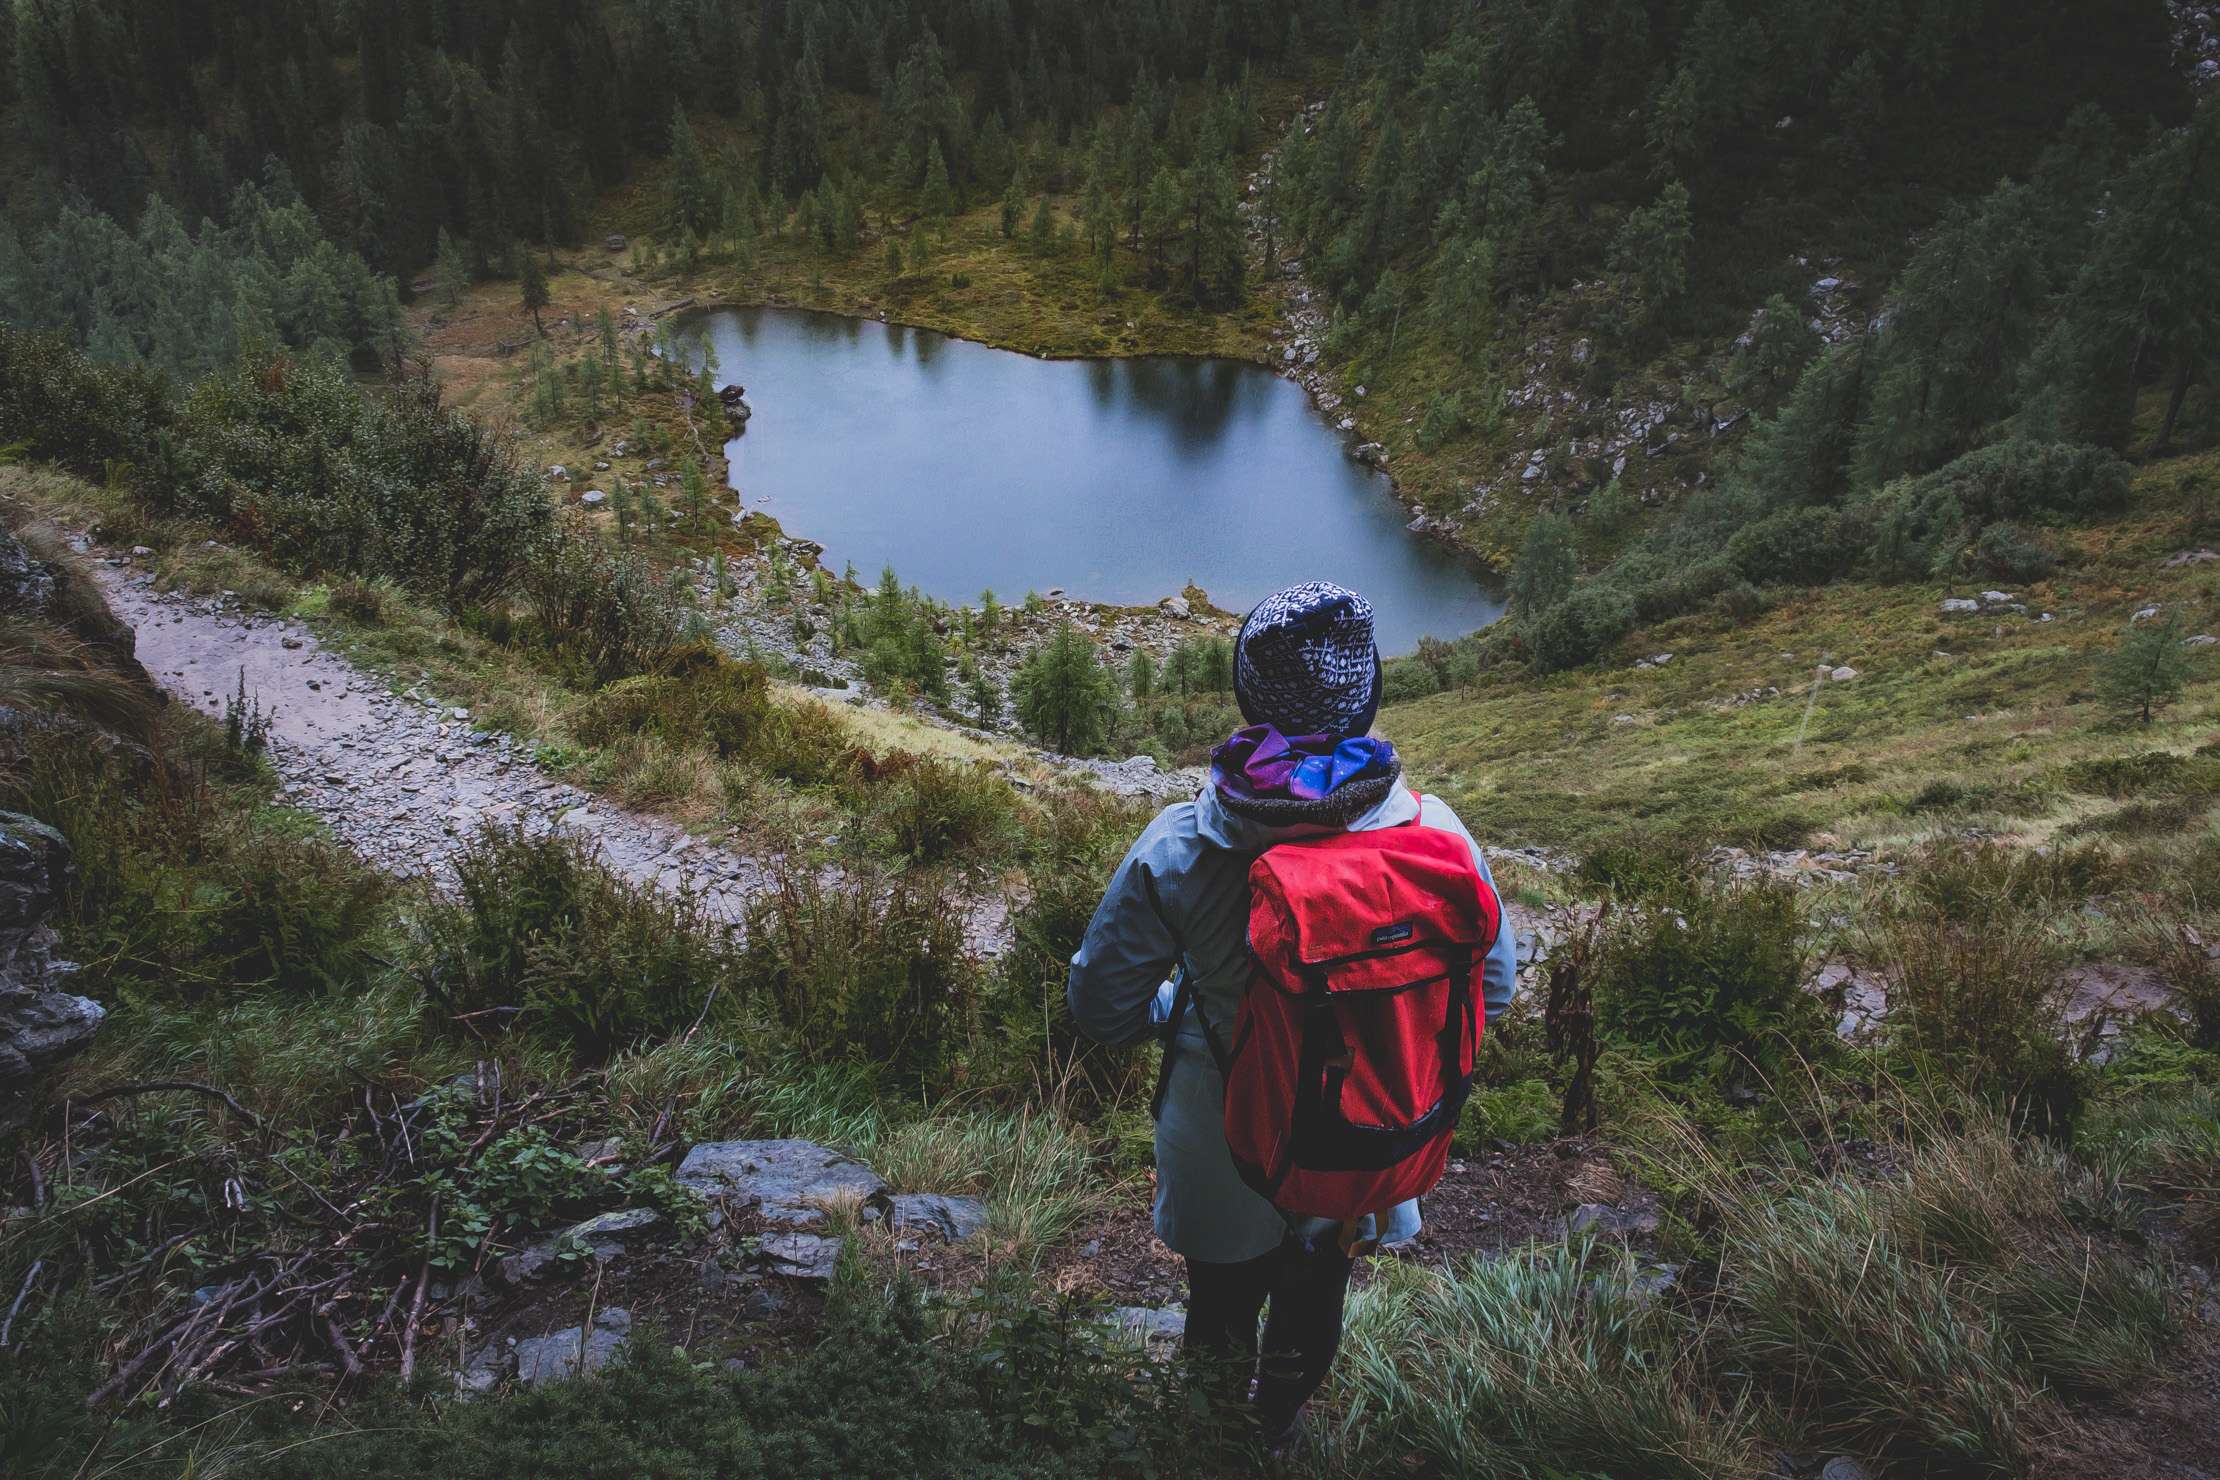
1223	1303
1303	1331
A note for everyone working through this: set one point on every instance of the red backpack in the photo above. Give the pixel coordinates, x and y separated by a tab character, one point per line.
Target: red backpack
1353	1052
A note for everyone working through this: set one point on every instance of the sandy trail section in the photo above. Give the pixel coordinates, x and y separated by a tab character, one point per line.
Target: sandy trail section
403	778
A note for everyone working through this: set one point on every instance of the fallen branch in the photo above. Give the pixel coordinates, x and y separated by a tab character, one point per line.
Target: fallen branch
20	1295
416	1306
154	1086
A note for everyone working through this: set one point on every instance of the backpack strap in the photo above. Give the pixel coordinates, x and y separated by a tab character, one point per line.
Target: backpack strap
1184	1000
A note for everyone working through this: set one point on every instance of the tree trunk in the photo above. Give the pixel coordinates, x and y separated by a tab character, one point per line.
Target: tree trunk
2182	379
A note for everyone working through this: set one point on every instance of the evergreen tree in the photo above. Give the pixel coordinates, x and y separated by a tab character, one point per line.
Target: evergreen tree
1650	253
1063	694
1013	206
2147	671
1043	231
939	198
1547	567
531	281
451	270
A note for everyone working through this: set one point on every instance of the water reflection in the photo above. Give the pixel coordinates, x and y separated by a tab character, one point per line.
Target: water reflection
966	467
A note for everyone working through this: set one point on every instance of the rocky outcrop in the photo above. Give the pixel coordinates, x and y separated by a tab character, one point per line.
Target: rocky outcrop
40	1024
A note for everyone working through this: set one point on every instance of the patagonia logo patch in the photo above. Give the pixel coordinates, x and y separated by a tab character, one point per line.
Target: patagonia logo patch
1391	935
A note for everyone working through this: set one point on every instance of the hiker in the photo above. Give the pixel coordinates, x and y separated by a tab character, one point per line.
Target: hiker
1307	678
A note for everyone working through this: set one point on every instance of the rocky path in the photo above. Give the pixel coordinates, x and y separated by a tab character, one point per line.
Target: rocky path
404	778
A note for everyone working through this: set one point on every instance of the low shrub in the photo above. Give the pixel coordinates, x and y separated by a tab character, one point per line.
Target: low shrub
932	809
1030	1036
710	701
1976	995
540	938
856	969
1521	1113
188	891
2006	552
1714	982
361	600
601	608
1578	628
1641	865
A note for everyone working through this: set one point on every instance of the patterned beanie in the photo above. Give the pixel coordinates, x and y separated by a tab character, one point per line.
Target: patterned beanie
1305	662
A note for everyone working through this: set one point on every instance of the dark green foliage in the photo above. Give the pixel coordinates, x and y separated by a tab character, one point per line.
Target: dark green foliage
184	894
933	809
880	1391
293	457
704	698
540	938
62	406
1579	627
863	970
1713	981
2007	552
1082	838
899	633
601	607
1064	695
1548	564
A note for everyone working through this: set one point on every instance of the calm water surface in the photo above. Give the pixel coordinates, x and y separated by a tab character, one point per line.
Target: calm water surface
966	468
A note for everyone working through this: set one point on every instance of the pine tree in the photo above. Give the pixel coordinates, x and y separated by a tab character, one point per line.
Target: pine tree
893	256
1650	252
451	270
1140	676
532	287
1064	696
1043	233
939	198
1546	568
2148	671
1013	207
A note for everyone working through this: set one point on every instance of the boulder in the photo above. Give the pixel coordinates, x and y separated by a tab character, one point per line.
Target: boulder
1842	675
787	1180
39	1025
2188	557
573	1350
1956	604
1176	606
1149	1323
801	1256
2144	615
953	1218
613	242
593	498
1372	454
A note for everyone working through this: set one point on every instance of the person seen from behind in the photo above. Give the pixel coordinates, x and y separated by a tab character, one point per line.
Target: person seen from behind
1324	930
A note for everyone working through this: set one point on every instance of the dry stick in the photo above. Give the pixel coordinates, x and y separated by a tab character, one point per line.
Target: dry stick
20	1295
154	1085
38	1181
416	1306
339	1344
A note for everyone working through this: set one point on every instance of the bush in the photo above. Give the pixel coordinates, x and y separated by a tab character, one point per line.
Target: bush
600	607
296	459
1028	1022
360	600
1976	998
2006	552
71	411
541	938
185	890
711	701
859	970
933	809
1714	981
1579	627
1797	547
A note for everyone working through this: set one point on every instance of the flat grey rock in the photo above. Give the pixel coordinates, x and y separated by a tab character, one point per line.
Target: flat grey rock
801	1256
788	1180
568	1352
953	1218
1149	1322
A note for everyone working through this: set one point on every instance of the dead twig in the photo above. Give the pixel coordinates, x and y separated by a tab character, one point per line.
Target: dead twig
20	1296
153	1086
416	1306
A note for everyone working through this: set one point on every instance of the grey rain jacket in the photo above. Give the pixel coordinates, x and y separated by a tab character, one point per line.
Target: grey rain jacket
1192	863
